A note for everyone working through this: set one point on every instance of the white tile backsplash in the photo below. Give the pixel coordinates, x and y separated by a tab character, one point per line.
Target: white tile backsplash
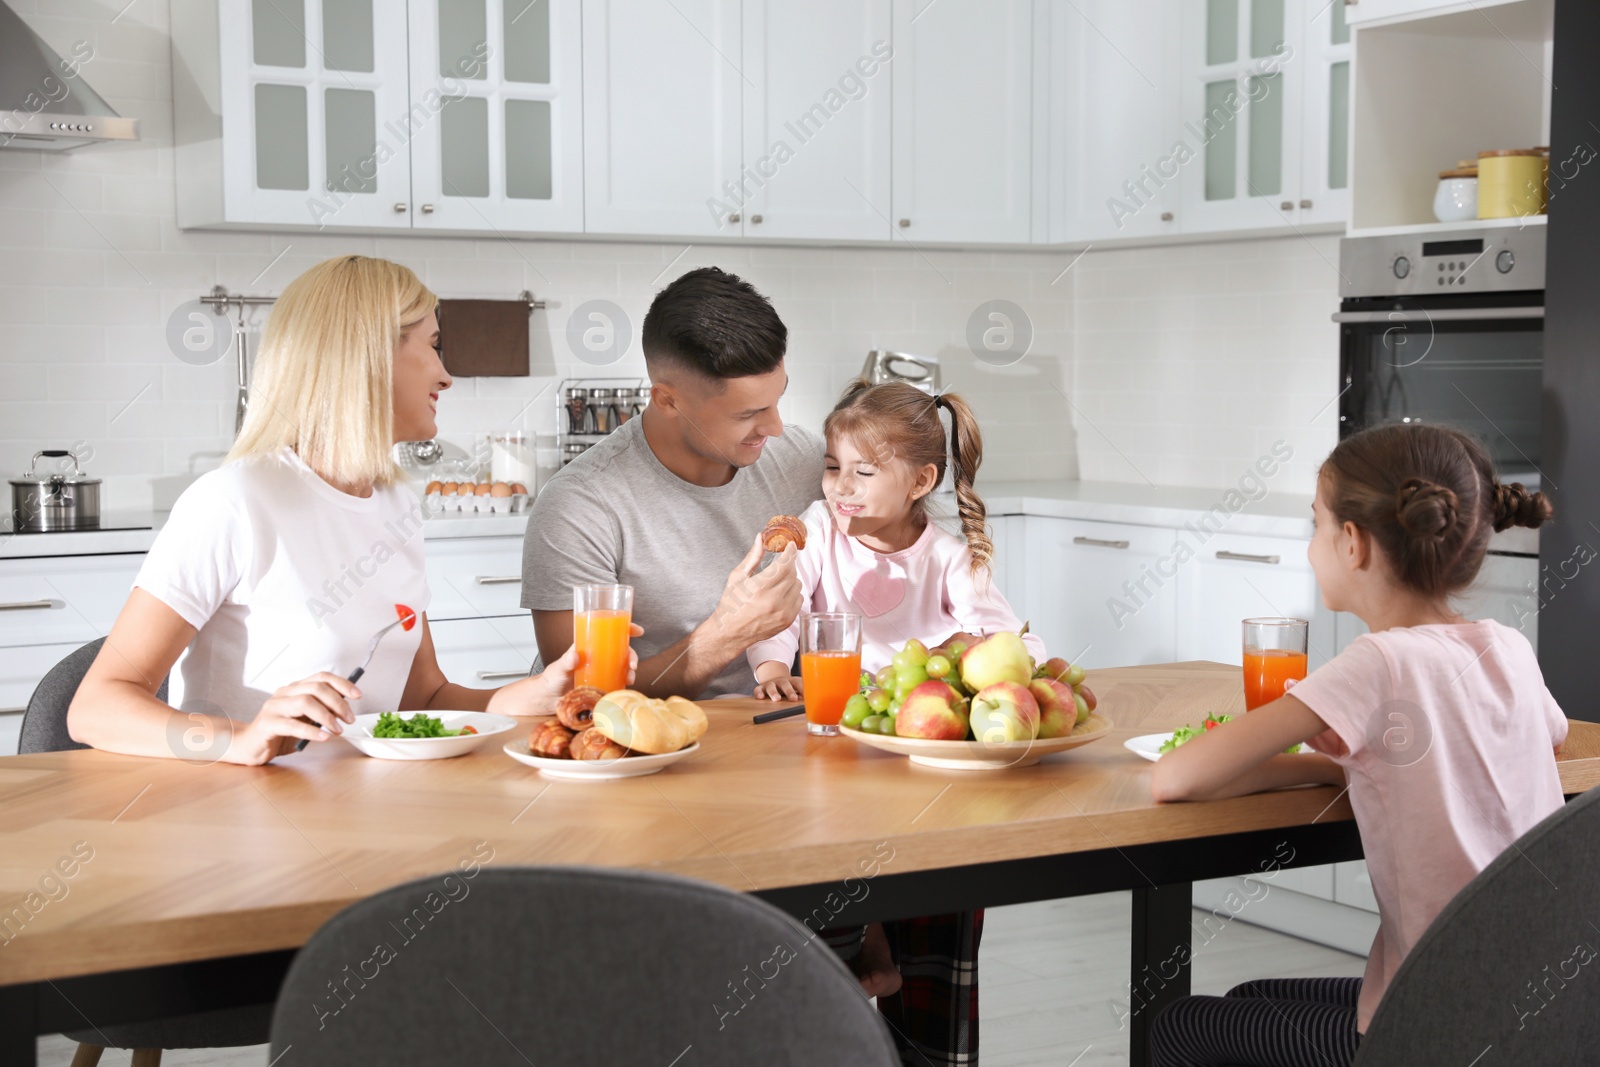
1175	364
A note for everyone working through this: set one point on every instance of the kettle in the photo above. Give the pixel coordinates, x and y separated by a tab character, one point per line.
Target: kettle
885	366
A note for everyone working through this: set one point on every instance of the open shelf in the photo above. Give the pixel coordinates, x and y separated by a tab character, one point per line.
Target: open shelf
1450	227
1430	91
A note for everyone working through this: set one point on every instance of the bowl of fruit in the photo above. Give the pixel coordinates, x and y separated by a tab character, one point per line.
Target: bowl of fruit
976	705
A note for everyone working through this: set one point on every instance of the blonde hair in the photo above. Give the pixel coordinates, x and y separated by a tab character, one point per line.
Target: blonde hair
323	382
895	420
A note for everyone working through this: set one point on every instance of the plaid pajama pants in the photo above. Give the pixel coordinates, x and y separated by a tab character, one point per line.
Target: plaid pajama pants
934	1017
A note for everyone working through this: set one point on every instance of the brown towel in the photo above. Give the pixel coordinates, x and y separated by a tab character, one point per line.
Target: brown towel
484	338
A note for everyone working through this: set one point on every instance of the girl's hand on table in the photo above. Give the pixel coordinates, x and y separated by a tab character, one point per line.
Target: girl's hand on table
314	708
539	694
774	682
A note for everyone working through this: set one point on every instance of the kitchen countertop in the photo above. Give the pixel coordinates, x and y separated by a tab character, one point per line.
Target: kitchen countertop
1274	515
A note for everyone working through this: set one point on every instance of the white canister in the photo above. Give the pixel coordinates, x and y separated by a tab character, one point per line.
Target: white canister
511	459
1456	199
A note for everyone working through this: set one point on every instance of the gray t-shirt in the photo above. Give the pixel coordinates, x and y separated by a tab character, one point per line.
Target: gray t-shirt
616	515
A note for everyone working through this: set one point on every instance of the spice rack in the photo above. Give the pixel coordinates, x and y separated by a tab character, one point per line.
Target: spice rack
589	409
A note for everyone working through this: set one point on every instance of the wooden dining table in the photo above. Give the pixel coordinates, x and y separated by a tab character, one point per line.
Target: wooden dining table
192	885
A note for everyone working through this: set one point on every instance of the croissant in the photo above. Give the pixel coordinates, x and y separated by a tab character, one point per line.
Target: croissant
576	706
550	740
591	744
783	530
649	726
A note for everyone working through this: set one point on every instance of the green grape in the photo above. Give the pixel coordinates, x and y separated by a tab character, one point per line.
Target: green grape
908	678
904	661
886	726
917	651
885	678
871	724
856	711
878	700
894	706
1074	675
938	666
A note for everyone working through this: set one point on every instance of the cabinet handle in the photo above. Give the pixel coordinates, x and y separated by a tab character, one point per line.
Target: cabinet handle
498	676
1100	542
1166	216
400	209
13	711
27	605
427	209
1305	203
904	223
755	218
1287	205
497	579
733	217
1247	557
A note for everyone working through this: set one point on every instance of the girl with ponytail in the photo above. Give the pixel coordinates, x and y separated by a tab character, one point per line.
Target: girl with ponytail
1441	729
870	547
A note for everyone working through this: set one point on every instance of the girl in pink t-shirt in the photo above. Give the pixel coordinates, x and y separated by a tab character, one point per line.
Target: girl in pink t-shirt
1441	729
870	548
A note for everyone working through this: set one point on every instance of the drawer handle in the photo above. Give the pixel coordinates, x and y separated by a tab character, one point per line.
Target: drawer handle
1101	542
13	711
1246	557
496	676
28	605
498	579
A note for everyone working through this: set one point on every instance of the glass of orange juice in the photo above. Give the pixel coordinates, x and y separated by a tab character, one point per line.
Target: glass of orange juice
601	615
1274	655
830	666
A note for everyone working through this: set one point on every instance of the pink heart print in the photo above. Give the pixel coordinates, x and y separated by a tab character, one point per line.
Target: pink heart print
879	592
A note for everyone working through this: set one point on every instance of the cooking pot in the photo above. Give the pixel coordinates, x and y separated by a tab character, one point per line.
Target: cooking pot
43	503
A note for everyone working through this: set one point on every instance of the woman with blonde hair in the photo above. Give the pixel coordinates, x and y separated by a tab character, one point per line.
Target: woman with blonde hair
267	582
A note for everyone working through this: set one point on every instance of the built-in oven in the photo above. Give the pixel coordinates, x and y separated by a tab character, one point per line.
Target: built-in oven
1449	328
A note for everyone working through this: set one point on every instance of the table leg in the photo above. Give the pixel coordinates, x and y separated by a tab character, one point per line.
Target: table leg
1158	971
18	1021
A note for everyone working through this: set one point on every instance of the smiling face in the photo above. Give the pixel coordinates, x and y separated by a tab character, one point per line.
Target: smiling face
419	378
871	497
727	421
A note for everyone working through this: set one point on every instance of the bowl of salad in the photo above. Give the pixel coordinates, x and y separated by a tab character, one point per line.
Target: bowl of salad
421	735
1154	746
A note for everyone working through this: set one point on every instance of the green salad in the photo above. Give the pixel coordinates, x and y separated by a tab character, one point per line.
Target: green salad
390	724
1189	733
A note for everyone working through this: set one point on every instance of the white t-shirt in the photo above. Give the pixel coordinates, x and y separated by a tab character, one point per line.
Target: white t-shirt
285	576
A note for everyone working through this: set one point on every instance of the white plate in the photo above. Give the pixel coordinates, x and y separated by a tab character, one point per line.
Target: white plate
975	756
1149	745
594	770
359	734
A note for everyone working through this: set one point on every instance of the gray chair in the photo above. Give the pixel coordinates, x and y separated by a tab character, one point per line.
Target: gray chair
1512	965
571	965
44	729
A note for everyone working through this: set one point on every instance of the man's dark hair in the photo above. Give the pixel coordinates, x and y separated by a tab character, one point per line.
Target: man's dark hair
716	324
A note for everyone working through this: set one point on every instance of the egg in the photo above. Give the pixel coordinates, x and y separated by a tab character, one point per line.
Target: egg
433	487
449	489
483	489
500	489
519	488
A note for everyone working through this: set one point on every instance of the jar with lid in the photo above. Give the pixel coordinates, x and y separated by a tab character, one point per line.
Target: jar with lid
572	450
602	417
622	406
641	397
578	420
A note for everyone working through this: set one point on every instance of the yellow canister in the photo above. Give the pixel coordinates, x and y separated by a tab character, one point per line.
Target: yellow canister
1511	183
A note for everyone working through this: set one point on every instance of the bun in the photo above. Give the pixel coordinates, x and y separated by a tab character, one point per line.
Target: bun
592	744
781	531
577	707
550	740
1426	510
652	727
1515	506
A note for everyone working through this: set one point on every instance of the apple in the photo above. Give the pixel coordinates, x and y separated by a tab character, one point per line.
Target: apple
932	711
1004	711
1058	708
1000	657
1054	668
1086	701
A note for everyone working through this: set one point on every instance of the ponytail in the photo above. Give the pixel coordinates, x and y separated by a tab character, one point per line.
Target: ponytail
966	453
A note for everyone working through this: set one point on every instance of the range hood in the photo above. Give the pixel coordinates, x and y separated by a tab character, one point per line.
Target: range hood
44	101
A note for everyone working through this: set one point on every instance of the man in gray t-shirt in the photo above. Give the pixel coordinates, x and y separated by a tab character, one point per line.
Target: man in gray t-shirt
673	502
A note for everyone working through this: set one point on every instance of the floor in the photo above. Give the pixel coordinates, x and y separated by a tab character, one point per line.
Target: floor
1052	975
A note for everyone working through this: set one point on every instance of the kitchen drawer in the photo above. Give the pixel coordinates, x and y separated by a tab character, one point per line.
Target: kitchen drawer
475	577
484	653
1234	577
20	671
57	599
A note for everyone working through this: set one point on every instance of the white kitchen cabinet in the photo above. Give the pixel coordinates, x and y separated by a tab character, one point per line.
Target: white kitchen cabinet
21	668
817	110
1114	120
484	653
284	112
1372	11
1235	577
662	99
1265	84
499	144
1101	593
474	577
963	126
